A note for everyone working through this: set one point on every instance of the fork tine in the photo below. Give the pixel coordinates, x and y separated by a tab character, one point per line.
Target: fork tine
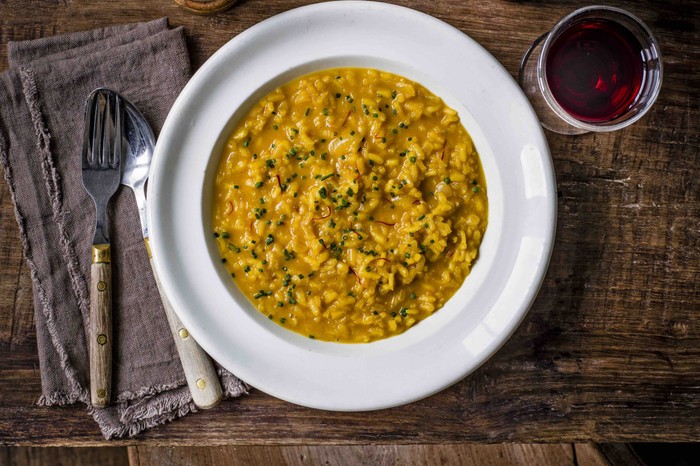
115	160
98	129
89	125
107	129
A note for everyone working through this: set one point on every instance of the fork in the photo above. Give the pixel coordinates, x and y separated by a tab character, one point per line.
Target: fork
101	160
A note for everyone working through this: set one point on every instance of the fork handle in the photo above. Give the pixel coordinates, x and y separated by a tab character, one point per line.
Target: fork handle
199	370
100	326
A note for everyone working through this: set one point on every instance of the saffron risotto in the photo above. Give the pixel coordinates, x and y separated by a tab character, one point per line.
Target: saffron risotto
349	204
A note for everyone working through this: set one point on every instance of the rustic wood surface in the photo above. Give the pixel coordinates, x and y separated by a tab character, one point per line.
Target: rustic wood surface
35	456
376	455
611	348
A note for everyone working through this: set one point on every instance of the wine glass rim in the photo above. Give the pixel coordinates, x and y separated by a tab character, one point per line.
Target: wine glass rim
544	85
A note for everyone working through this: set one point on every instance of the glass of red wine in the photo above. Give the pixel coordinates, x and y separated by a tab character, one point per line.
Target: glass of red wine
598	69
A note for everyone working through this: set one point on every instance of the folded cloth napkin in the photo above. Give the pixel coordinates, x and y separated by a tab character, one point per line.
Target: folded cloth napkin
42	99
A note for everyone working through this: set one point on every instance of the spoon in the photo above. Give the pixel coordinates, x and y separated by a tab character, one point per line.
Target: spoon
199	370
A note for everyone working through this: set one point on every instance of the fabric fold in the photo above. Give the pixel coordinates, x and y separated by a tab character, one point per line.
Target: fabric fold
41	127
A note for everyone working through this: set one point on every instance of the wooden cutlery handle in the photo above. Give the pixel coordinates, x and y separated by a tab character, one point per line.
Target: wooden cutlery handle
100	345
199	370
205	7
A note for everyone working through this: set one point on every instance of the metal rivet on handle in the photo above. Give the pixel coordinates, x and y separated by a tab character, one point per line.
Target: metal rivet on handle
183	333
101	392
201	384
101	338
101	286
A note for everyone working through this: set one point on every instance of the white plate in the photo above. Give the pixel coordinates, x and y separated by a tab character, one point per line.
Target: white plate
513	256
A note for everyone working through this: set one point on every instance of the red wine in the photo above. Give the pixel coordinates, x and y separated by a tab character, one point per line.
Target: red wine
595	70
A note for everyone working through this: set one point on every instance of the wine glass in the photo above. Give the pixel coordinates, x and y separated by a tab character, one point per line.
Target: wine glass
599	69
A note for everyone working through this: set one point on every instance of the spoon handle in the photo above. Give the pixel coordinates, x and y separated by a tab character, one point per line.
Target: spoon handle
199	370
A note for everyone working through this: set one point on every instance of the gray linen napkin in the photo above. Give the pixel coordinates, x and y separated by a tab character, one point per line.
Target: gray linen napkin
41	125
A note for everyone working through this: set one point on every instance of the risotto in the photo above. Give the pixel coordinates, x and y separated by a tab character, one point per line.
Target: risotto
349	204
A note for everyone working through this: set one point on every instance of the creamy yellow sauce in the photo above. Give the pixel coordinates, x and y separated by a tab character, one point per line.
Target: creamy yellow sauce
349	204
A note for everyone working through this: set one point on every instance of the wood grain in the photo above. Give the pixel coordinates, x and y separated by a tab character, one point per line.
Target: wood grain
205	7
420	455
100	341
377	455
34	456
609	351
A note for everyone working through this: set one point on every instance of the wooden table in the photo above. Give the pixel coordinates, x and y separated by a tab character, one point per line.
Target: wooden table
610	351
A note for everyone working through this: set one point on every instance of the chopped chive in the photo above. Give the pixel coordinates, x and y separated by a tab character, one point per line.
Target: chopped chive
306	113
447	180
270	239
246	142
